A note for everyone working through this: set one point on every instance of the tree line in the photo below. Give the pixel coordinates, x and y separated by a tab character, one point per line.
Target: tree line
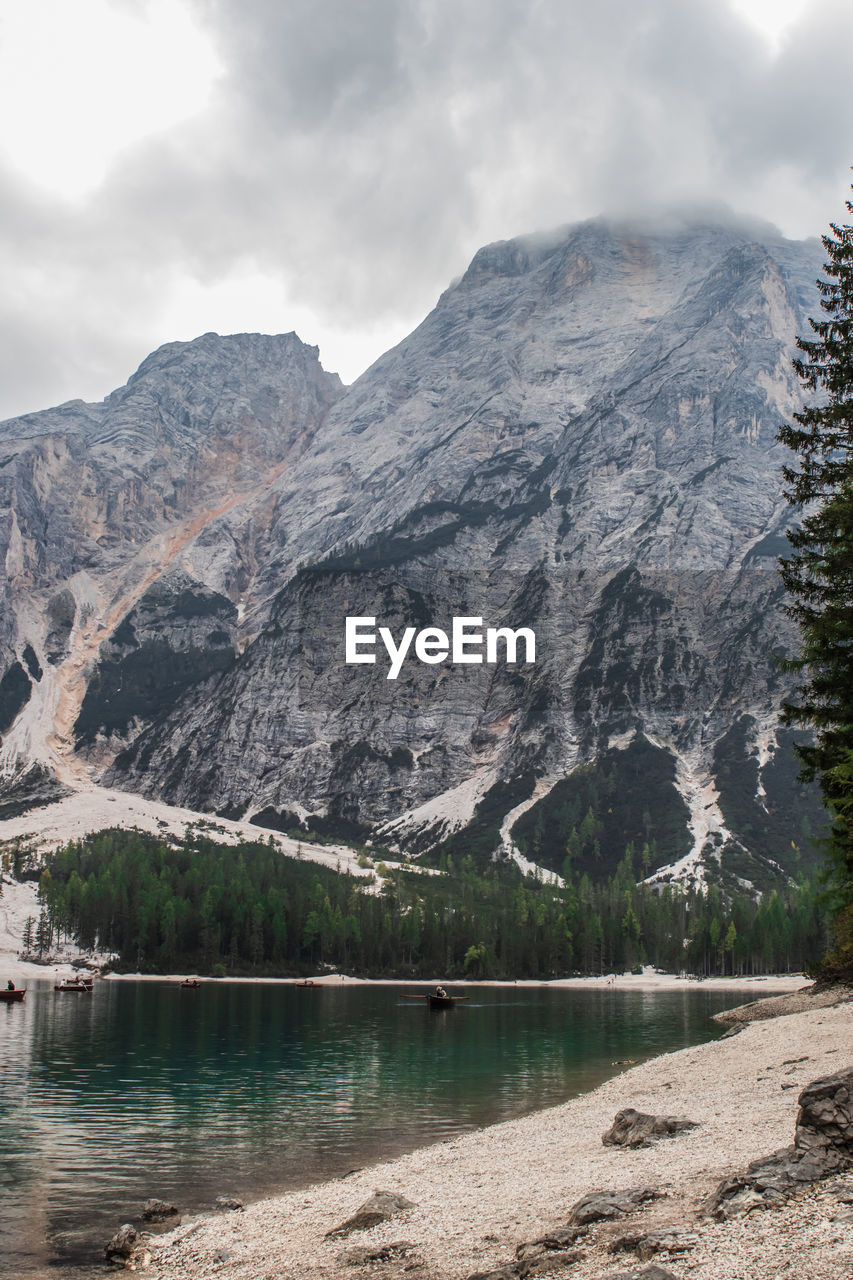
247	909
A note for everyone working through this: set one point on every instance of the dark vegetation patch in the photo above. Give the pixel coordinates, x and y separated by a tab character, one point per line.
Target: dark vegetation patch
146	683
783	825
15	691
233	811
637	650
61	615
336	827
272	819
435	525
349	757
624	801
31	662
169	642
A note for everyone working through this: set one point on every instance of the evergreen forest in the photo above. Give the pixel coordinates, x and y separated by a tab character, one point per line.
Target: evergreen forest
247	909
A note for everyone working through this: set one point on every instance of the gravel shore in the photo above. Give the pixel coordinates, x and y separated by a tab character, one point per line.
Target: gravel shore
479	1196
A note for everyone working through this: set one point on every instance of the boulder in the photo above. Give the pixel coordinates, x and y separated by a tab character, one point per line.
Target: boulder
825	1121
377	1208
601	1206
122	1244
127	1249
157	1210
647	1244
737	1197
558	1240
228	1203
635	1129
549	1253
823	1145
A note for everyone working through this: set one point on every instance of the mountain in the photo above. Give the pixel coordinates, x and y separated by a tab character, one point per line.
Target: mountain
579	440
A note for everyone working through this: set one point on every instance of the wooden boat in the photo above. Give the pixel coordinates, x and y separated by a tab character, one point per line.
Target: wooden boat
10	997
436	1001
190	985
442	1002
73	986
306	982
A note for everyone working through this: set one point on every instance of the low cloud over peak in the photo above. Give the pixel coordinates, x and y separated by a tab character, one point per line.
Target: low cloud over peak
346	160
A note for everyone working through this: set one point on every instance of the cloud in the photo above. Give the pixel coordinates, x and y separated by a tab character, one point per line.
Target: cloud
348	157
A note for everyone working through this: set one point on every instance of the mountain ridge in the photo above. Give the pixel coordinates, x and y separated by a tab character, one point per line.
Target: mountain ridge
581	433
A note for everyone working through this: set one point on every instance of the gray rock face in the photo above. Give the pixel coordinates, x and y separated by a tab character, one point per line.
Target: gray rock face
32	787
84	485
579	439
105	511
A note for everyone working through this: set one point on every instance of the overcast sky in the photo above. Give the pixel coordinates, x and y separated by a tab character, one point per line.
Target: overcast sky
169	167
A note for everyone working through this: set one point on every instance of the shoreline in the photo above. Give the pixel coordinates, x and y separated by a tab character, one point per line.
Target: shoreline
752	988
648	981
478	1196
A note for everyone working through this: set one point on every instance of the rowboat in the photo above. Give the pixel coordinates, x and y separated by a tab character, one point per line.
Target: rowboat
9	997
190	986
443	1002
72	986
436	1001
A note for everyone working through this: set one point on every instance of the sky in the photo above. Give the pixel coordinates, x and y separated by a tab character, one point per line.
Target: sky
172	167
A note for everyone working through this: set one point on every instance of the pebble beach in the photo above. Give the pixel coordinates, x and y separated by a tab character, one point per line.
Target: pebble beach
479	1197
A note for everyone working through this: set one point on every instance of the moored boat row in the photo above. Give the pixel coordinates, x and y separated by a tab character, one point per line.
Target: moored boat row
438	999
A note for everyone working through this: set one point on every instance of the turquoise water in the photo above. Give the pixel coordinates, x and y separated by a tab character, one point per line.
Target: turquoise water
142	1089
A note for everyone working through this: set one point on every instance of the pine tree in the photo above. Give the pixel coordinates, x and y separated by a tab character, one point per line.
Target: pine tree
44	933
28	935
819	573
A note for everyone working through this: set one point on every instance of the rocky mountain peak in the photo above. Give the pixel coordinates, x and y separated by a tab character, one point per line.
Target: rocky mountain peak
580	438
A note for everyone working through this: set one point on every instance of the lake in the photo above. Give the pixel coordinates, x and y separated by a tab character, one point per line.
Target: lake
141	1089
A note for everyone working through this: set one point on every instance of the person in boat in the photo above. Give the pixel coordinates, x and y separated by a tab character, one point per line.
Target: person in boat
10	986
440	991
